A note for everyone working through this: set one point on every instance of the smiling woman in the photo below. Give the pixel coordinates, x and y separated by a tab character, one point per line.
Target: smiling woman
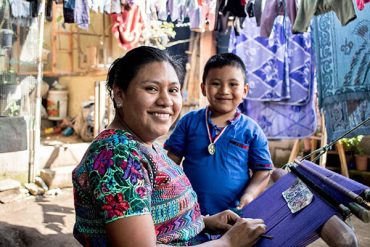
127	191
151	103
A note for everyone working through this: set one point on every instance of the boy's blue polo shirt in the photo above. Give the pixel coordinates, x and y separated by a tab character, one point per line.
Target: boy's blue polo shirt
220	179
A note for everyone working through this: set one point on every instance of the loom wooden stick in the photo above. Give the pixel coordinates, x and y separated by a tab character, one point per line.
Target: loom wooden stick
361	212
366	195
334	232
359	207
329	182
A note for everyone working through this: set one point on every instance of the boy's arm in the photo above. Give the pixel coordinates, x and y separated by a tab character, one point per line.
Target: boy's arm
174	157
256	186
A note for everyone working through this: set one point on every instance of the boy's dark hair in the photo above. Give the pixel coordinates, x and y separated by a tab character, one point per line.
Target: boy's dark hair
222	60
124	69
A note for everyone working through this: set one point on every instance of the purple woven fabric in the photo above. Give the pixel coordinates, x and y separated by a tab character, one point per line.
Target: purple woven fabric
298	229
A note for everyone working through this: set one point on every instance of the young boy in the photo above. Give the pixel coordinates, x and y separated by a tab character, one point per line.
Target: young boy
219	144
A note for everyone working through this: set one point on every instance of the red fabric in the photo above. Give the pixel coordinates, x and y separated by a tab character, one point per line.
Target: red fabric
128	26
361	4
243	2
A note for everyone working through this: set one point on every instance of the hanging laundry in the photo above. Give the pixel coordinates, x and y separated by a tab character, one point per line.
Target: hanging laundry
68	11
49	10
361	4
21	12
343	72
250	8
20	8
283	121
344	10
201	13
178	9
128	26
272	9
279	68
70	4
35	6
115	7
161	8
82	14
236	7
276	67
101	6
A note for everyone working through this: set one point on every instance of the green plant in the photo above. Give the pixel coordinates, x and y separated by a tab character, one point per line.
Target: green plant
353	144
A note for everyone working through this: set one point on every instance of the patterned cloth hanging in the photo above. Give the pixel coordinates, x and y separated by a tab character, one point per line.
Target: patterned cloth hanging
278	66
343	66
281	77
128	26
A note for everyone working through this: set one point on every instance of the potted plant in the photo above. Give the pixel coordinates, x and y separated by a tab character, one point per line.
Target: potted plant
353	145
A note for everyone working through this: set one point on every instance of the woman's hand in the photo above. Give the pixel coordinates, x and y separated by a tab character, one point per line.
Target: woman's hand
245	232
220	222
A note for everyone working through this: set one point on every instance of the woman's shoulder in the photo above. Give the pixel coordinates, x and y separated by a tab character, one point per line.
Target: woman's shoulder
110	141
109	134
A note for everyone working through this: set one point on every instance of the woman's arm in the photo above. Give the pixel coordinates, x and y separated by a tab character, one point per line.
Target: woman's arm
138	231
256	186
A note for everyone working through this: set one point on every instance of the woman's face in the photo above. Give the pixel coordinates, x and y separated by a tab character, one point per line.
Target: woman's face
152	101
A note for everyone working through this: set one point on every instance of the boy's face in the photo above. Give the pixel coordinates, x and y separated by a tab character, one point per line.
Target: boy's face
225	89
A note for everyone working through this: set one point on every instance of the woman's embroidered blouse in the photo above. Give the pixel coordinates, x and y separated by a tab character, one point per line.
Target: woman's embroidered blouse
118	177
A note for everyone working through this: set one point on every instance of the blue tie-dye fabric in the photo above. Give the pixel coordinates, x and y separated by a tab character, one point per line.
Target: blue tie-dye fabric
343	64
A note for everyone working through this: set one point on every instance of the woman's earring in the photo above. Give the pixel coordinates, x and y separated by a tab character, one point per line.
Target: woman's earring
118	104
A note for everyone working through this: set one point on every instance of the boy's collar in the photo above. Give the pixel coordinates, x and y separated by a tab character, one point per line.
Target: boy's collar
230	121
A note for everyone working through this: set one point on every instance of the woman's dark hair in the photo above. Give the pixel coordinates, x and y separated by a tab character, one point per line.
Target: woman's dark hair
222	60
125	68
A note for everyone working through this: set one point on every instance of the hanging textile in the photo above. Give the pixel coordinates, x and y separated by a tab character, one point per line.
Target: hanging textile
343	9
68	11
21	12
343	64
361	4
272	9
278	66
299	228
128	26
82	14
281	78
178	9
283	121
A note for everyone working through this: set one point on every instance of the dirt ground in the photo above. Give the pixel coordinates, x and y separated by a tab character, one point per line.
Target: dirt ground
41	222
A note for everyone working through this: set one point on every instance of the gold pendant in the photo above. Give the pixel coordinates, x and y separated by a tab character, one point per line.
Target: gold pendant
211	149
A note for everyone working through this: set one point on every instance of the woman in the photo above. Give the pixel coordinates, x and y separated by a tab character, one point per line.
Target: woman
127	191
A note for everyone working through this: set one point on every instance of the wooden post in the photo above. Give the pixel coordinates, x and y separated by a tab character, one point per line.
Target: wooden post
342	158
53	40
295	151
324	141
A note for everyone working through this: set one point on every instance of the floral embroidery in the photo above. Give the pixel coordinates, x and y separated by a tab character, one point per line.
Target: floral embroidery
141	191
105	134
103	161
104	188
115	205
131	170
